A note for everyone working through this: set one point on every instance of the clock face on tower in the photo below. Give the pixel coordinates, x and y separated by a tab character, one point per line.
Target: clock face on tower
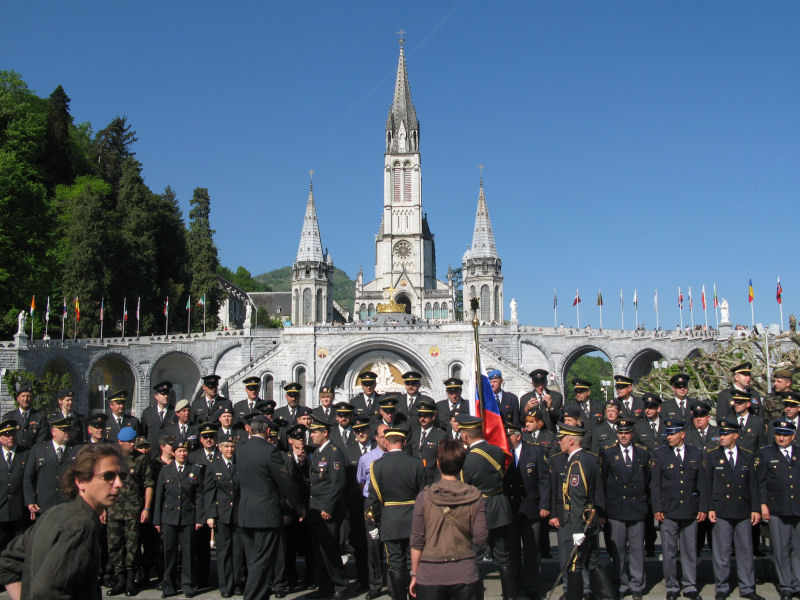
402	250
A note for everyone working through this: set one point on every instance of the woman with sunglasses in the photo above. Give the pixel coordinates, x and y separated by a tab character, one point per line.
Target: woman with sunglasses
59	556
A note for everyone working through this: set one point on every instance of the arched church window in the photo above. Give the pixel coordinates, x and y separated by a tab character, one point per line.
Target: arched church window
435	310
455	370
363	312
319	312
397	182
300	377
486	314
444	313
497	303
407	183
428	314
371	310
308	313
267	381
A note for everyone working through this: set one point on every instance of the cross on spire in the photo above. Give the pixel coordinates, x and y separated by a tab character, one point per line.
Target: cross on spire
401	33
311	177
481	168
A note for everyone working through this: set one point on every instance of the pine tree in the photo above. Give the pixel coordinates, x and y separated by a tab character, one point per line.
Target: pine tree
202	256
57	159
110	149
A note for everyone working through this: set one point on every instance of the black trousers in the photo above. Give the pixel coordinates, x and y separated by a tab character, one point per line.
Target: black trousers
327	556
299	541
398	554
175	535
229	556
498	548
260	546
202	554
376	561
462	591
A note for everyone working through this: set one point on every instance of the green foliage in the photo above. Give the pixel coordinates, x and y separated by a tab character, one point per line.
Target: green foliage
264	320
458	280
243	280
593	369
280	280
45	388
202	256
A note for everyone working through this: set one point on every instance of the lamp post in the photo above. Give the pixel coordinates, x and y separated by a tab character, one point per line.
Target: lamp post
103	389
605	384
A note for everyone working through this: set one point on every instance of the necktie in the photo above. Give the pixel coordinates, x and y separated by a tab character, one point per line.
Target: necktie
788	454
653	426
9	459
741	422
327	414
679	455
536	436
628	405
227	464
627	456
681	405
703	437
119	422
210	457
363	449
251	406
183	432
730	458
180	470
60	454
161	416
422	439
25	416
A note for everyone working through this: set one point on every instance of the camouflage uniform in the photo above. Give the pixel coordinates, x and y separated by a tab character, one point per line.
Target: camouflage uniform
123	516
773	406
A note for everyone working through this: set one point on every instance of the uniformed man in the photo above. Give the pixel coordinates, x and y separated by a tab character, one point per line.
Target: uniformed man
791	408
702	434
221	504
651	433
773	404
387	414
678	408
342	434
204	456
96	428
778	469
425	439
325	410
298	533
183	430
551	402
47	462
252	386
408	402
631	407
367	401
582	499
604	434
506	401
591	410
14	517
155	419
742	378
536	431
289	411
376	563
448	410
734	508
626	482
326	510
526	483
133	507
354	501
483	468
227	429
178	514
118	417
752	433
65	400
395	480
680	501
206	408
30	421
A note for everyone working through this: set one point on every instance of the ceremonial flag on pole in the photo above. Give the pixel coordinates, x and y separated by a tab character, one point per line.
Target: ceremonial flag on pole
493	429
691	304
779	292
188	303
166	307
202	301
716	302
555	309
33	305
77	310
102	308
47	310
635	299
680	298
621	301
703	296
138	306
125	309
64	309
655	301
577	299
599	298
750	294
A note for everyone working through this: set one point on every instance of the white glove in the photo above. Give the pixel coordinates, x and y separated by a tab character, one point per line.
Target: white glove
373	533
578	538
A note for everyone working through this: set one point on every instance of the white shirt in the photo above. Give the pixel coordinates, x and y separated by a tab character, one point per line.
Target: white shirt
517	452
728	453
573	453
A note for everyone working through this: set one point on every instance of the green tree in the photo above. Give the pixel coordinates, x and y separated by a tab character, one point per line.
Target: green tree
202	256
110	149
593	369
45	388
57	149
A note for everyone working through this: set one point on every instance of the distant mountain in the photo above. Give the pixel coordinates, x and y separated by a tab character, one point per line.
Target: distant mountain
280	280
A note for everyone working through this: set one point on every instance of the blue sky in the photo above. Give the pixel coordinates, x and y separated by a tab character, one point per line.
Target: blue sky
634	145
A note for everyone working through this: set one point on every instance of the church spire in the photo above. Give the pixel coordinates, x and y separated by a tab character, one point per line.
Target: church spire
402	127
483	245
310	248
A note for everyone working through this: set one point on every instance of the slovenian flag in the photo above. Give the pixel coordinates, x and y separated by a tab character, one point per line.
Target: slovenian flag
716	302
494	431
125	309
750	294
166	307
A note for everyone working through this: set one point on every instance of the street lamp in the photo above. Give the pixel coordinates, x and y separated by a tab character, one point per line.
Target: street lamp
773	329
103	389
605	384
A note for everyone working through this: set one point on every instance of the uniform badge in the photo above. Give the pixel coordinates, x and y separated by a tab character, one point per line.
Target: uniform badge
616	458
722	461
191	474
755	462
574	480
336	465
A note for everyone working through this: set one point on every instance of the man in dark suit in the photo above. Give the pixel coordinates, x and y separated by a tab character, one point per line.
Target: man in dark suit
14	516
702	434
526	482
156	418
742	379
183	430
591	410
752	433
221	504
506	401
326	510
408	402
605	434
252	386
227	428
678	408
448	410
342	434
734	508
260	515
387	414
204	457
631	407
395	480
289	411
30	421
626	480
118	417
353	498
325	410
66	398
425	439
679	493
367	401
47	463
650	433
206	408
549	401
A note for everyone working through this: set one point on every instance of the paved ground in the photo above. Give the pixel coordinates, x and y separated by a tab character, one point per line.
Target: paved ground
655	589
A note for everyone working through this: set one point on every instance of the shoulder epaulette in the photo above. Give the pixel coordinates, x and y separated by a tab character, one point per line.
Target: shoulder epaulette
532	443
590	452
642	446
710	450
557	454
609	446
745	450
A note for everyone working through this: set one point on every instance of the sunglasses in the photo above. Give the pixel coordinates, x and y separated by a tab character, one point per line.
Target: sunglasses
111	476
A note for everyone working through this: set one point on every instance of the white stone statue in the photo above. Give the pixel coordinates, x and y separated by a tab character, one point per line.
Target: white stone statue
514	318
248	316
724	313
384	382
21	318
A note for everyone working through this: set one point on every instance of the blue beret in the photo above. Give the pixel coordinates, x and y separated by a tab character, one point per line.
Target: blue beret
494	373
126	434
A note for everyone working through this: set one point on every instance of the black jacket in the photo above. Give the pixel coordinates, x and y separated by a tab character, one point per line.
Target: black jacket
12	501
221	499
732	491
626	487
179	497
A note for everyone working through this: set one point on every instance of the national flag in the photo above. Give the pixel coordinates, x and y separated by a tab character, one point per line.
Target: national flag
703	296
33	305
188	303
680	298
599	298
750	294
125	309
555	298
493	430
47	310
577	299
635	299
77	310
102	307
166	307
138	306
621	301
716	302
691	304
202	301
779	293
655	301
64	308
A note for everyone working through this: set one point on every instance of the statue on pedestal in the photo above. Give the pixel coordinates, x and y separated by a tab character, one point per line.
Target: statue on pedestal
724	313
514	317
21	318
248	316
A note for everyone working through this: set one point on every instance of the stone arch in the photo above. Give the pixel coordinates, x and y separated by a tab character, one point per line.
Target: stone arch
642	363
695	352
300	375
180	367
226	363
118	370
570	358
455	369
267	386
403	298
536	356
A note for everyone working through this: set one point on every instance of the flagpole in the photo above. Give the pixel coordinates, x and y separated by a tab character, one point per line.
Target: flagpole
189	315
691	307
204	314
752	314
138	306
75	335
46	317
600	297
555	310
166	318
680	305
705	305
63	317
578	307
33	303
474	306
636	306
124	314
622	308
780	301
657	327
716	306
102	305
